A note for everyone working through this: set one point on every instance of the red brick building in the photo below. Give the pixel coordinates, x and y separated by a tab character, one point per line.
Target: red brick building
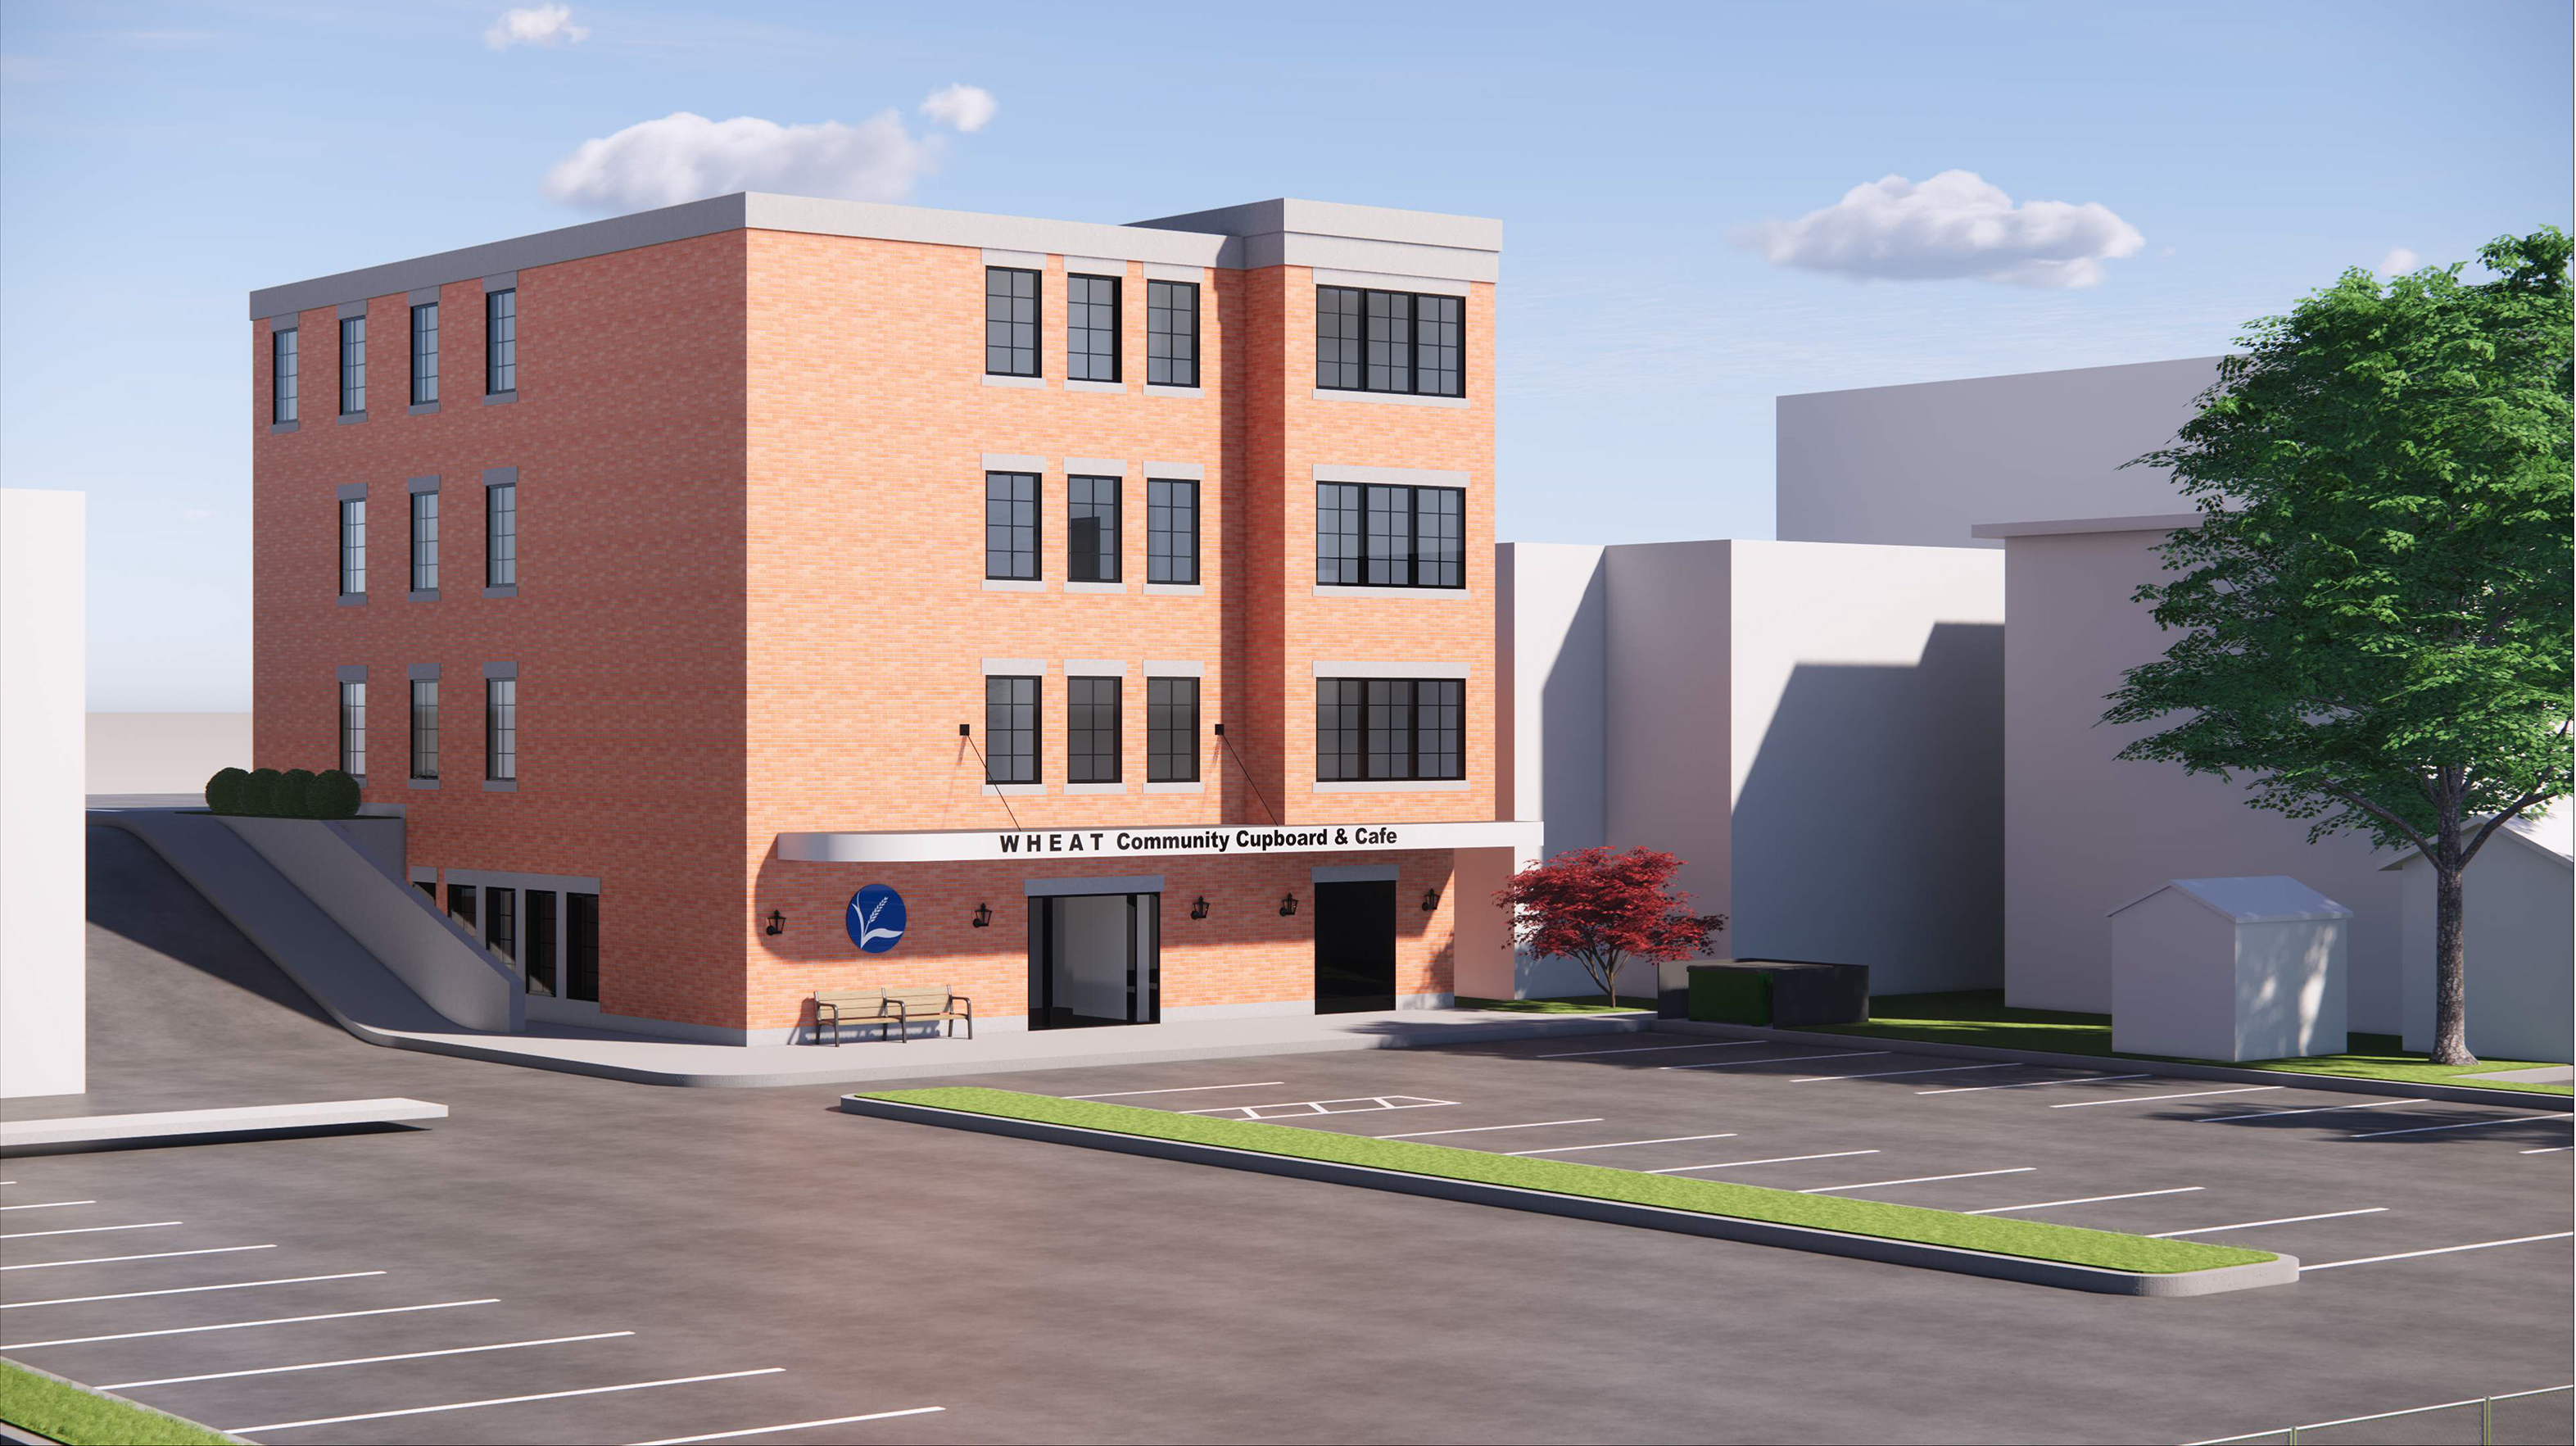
1120	597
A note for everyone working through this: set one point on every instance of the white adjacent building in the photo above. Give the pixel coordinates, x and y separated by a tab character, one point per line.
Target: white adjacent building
43	865
2519	940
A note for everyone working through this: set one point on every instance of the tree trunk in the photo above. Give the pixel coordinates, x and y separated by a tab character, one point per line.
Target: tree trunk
2450	968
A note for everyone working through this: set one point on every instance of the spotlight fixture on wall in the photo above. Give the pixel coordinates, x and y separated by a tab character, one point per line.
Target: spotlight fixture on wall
777	923
1287	905
983	916
1198	907
1430	900
965	730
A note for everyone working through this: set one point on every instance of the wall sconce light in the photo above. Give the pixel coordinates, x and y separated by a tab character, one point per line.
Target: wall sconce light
965	730
983	915
1220	730
1430	900
1287	905
777	923
1198	907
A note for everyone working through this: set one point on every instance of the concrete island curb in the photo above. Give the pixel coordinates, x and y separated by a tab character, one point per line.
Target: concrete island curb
2281	1270
2334	1083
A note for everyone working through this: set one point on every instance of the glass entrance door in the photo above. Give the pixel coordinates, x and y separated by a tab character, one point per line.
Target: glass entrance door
1354	946
1095	959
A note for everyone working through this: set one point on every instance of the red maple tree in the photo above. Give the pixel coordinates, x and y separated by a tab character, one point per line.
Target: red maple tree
1600	909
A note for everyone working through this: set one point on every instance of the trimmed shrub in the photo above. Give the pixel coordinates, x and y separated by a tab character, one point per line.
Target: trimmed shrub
224	790
259	793
294	789
334	794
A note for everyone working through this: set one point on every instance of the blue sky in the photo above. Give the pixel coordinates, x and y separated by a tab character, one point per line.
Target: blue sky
157	161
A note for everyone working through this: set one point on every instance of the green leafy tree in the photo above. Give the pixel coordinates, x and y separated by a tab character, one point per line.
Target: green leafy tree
2374	607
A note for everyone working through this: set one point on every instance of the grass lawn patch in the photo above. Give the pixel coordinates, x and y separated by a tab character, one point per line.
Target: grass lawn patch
1579	1004
1980	1017
51	1406
2026	1238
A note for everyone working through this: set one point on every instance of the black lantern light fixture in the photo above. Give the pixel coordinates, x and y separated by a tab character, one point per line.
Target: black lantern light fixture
983	916
1198	907
1430	900
1287	905
777	923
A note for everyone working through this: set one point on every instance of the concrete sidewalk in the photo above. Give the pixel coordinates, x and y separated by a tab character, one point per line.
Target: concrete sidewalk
367	1000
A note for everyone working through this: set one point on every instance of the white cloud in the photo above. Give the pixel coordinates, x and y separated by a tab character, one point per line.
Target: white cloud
966	107
1954	225
685	157
535	25
2399	262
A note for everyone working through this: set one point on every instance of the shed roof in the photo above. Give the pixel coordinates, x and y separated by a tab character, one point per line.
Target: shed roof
2552	834
2261	899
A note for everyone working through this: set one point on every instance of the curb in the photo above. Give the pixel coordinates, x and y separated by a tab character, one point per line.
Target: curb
2333	1083
2281	1270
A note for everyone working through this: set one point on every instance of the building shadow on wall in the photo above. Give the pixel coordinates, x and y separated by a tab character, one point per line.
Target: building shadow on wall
1870	826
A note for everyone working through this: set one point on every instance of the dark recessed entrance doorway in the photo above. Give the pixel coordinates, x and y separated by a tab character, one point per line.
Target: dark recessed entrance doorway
1354	946
1095	959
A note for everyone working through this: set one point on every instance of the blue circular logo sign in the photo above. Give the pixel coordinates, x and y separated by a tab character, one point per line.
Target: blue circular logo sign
876	918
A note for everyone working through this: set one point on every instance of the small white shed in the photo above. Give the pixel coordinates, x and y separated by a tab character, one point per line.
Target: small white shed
2248	968
2520	893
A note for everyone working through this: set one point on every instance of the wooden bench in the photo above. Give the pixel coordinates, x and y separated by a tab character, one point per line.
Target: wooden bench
896	1009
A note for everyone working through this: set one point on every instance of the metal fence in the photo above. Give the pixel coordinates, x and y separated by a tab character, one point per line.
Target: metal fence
2520	1418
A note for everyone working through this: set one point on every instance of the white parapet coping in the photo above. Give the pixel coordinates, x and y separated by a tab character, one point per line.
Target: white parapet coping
1141	840
244	1119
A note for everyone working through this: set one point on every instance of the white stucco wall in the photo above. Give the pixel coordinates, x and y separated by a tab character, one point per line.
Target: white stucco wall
1815	729
2520	947
1920	464
2085	832
43	864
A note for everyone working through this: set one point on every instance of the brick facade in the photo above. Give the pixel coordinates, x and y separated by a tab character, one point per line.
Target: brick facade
751	601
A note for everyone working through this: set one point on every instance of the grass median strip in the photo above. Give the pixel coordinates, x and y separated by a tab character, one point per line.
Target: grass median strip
2030	1239
51	1406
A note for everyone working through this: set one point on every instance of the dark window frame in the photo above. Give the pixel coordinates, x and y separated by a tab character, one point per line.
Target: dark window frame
423	513
1164	561
353	546
1346	739
501	730
353	729
1163	336
424	354
1031	721
285	374
1034	549
1012	346
1084	748
500	351
1356	503
353	365
1364	328
1117	327
1101	562
1171	730
501	534
424	728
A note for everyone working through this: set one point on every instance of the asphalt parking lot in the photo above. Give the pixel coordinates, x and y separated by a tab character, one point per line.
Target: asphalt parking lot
578	1260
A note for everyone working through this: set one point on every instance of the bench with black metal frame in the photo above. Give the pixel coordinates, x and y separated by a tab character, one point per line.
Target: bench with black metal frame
896	1009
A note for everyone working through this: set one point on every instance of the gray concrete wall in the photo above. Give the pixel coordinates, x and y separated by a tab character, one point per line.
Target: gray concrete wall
1921	464
2519	942
2085	832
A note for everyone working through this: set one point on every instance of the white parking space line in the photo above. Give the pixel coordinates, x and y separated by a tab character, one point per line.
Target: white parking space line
1653	1048
2549	1149
362	1361
1784	1059
501	1401
2416	1130
239	1325
155	1255
2151	1099
2255	1224
792	1426
1308	1109
1180	1090
1919	1180
1893	1073
1620	1144
2035	1083
186	1289
48	1205
1480	1129
2083	1200
2314	1110
2445	1250
91	1229
1773	1160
